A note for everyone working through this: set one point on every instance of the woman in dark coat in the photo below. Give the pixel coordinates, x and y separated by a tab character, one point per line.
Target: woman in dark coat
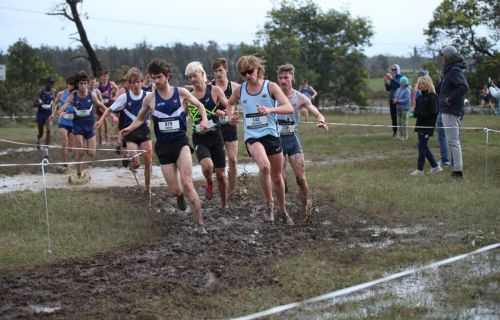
426	111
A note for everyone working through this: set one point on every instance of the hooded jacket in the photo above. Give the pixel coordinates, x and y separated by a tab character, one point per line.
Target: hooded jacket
452	86
393	84
426	112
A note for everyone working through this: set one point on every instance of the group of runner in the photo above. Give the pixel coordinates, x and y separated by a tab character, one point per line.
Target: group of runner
271	116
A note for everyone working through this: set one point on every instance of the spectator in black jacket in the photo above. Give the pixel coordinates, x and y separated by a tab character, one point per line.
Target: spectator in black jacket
451	90
426	111
391	82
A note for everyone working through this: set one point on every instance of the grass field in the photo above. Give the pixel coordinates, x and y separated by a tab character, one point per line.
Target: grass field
360	173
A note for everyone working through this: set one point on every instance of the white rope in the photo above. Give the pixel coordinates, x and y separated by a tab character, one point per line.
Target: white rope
391	126
56	147
43	164
345	291
130	158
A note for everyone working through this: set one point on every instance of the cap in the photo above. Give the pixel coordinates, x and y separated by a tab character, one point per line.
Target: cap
50	80
404	80
449	51
423	72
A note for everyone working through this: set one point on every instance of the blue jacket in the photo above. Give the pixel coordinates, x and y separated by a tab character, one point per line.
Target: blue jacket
403	94
452	88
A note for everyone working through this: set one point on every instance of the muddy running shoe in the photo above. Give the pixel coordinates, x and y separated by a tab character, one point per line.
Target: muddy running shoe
201	230
209	192
181	202
269	213
287	219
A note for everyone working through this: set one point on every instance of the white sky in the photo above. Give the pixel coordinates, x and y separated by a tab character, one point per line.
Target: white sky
398	26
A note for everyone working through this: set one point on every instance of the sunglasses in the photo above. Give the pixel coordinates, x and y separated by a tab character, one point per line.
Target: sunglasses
247	72
394	69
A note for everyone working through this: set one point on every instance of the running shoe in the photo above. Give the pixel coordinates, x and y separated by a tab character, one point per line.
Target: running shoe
287	219
181	202
125	161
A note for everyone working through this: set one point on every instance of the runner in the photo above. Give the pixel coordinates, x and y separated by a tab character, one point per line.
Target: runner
310	93
43	101
262	100
104	87
287	126
172	146
128	105
229	132
65	127
83	102
209	145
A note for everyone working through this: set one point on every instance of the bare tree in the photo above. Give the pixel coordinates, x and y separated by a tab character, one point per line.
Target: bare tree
69	10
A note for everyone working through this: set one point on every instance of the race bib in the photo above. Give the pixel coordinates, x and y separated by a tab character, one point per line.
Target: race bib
169	125
45	106
255	121
68	116
286	127
211	124
83	113
223	120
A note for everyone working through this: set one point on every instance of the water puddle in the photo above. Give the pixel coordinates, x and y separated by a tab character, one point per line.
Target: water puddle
42	309
25	149
102	177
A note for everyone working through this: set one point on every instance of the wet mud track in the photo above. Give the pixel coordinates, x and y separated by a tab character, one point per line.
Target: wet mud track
112	282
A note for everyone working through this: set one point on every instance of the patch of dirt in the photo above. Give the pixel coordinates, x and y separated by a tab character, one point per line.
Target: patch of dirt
180	258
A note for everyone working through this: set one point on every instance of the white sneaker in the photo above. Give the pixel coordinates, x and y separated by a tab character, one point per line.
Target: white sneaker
417	173
435	170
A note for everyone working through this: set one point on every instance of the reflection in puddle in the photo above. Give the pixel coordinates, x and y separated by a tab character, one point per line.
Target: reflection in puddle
26	149
102	177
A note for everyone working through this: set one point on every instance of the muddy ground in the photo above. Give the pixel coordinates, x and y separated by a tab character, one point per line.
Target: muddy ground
181	258
111	285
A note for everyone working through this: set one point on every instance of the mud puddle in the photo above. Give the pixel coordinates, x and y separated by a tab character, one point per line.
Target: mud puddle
102	177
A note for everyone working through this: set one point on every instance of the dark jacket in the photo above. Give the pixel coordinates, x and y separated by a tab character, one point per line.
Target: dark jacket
426	111
392	86
452	87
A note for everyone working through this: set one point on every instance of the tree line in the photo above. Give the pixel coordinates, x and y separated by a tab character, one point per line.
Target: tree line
325	47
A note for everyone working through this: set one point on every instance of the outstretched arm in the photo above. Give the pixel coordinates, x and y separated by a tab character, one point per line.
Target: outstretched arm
304	102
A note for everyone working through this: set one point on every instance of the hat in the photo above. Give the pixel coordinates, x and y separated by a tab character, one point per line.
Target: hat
449	51
404	80
50	80
423	72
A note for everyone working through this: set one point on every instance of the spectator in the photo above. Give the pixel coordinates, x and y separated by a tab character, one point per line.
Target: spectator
426	114
391	81
416	92
452	88
495	93
402	100
486	99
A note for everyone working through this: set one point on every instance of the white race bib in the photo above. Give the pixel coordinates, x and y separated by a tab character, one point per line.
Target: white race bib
256	121
223	120
210	125
169	125
45	106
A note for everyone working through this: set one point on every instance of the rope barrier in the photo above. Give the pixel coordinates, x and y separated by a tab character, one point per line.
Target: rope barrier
69	163
345	291
55	146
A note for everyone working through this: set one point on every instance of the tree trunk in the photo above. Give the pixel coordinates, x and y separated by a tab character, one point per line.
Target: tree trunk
94	61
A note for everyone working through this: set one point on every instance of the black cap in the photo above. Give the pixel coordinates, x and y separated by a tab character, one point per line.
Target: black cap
50	80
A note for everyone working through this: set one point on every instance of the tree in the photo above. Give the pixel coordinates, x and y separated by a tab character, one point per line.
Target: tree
325	48
61	9
474	27
26	71
379	66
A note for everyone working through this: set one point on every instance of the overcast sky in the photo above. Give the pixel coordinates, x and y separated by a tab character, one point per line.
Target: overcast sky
398	25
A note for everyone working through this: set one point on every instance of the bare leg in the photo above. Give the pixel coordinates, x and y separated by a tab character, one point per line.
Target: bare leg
232	151
185	167
259	155
222	184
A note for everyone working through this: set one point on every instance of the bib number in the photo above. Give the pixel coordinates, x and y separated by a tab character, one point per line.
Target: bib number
223	120
256	121
286	127
210	125
169	125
